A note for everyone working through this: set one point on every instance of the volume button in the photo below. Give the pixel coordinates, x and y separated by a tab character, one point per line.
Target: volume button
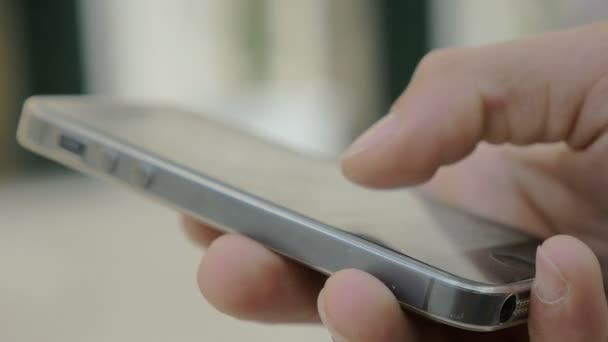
107	160
141	174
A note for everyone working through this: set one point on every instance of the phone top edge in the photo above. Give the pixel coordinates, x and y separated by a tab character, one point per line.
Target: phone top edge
158	161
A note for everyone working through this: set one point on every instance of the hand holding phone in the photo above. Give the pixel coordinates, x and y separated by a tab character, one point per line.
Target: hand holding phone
377	246
547	189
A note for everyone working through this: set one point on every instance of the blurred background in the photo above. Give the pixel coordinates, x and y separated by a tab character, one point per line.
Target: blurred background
81	260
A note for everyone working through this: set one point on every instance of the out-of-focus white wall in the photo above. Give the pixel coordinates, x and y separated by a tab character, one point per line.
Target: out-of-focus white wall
319	82
571	13
475	22
164	50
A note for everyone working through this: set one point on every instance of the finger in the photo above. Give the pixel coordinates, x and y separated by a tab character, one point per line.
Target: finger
545	89
244	279
199	232
568	301
355	306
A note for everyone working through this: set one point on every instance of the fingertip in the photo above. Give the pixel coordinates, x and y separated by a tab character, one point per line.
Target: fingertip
242	278
568	299
364	162
574	261
570	254
220	275
374	159
198	232
372	174
426	133
355	306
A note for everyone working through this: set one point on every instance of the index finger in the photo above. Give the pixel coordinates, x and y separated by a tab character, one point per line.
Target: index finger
546	89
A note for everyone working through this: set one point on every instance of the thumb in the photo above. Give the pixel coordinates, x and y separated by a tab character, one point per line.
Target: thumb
568	302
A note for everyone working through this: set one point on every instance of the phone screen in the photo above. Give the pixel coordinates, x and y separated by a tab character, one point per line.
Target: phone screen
400	220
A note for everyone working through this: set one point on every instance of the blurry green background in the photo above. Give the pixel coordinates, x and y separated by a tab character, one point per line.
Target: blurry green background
40	53
84	261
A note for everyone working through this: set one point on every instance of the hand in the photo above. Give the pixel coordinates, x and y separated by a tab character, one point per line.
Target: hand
547	97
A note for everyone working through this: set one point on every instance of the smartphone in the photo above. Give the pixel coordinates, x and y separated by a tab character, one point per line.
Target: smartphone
442	263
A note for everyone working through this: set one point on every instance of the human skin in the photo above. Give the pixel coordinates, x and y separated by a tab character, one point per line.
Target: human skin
514	131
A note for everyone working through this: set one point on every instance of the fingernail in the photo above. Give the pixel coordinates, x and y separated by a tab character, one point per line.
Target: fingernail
551	287
336	337
383	130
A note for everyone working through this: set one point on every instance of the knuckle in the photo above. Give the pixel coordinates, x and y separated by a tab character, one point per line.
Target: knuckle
440	59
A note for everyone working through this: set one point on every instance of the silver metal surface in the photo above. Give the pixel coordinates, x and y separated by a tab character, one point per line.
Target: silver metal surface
459	271
140	173
107	160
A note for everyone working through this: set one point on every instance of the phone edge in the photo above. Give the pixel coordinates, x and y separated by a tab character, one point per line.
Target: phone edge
185	191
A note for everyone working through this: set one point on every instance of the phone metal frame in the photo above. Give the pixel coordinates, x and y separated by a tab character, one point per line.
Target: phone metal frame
419	287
